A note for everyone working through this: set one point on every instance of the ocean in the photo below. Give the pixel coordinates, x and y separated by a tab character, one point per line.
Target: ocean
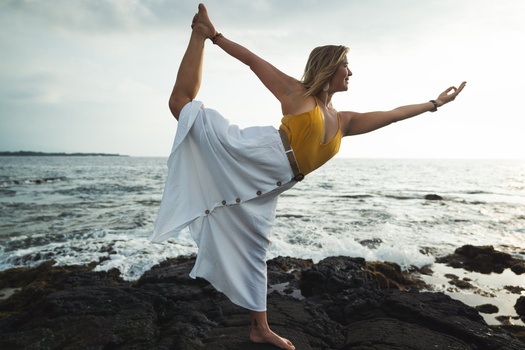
78	210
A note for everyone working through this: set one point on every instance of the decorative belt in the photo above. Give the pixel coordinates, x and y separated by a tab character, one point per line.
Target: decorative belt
297	175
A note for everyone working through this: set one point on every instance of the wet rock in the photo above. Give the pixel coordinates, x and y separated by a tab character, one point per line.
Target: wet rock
514	289
518	268
460	283
483	259
346	302
367	336
487	309
336	274
286	269
517	331
333	275
433	197
520	307
372	243
389	275
507	320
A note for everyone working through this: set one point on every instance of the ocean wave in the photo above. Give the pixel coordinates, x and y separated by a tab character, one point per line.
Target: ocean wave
31	181
7	193
96	212
105	189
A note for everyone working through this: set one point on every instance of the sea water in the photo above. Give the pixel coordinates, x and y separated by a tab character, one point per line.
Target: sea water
77	210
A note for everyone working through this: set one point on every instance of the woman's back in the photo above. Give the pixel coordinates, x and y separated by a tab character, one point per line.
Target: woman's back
306	132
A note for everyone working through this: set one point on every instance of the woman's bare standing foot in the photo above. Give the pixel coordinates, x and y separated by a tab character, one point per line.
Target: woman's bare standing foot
266	336
202	24
261	332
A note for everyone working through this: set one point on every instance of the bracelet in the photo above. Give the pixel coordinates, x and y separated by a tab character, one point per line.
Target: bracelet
215	38
435	105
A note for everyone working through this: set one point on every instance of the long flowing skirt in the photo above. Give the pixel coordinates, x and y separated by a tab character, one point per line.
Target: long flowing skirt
223	182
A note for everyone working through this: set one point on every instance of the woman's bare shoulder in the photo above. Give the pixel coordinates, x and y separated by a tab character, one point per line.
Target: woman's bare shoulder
296	102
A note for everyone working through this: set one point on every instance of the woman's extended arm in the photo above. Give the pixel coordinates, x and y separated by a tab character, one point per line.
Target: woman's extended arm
359	123
289	91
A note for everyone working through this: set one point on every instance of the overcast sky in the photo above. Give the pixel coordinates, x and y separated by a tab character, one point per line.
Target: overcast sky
95	76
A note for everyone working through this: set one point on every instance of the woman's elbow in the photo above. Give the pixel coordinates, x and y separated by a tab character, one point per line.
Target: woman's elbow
176	104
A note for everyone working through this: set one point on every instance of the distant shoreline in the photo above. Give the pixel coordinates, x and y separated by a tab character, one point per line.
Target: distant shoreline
57	154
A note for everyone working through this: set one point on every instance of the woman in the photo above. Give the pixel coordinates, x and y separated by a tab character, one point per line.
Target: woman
223	182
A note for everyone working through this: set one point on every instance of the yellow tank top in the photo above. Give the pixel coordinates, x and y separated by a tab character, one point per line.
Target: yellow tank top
305	132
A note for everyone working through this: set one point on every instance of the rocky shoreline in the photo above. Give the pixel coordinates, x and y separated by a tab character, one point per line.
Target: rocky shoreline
338	303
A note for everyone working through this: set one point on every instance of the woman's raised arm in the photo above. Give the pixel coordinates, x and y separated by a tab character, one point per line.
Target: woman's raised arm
288	90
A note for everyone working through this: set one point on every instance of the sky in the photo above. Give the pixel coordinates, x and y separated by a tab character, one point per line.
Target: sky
95	75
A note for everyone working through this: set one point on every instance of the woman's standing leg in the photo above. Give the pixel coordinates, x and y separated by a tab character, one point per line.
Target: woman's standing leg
189	76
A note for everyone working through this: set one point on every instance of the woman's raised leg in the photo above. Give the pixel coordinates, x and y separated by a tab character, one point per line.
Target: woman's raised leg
261	332
189	76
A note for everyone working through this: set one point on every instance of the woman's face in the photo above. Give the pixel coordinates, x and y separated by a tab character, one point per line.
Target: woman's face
341	76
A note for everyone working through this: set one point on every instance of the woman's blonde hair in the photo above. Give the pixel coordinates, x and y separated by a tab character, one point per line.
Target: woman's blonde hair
321	66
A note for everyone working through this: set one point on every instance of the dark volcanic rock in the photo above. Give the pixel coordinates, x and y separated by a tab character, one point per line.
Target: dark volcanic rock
333	275
487	309
484	259
520	307
384	333
455	281
433	197
349	304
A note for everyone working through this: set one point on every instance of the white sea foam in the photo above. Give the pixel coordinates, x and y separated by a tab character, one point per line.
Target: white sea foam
132	257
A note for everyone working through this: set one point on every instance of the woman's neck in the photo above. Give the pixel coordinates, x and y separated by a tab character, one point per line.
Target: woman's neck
325	98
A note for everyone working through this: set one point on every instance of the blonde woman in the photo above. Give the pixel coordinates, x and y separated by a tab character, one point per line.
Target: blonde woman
223	182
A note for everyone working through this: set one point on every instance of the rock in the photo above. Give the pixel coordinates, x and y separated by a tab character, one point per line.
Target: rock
483	259
519	267
520	307
461	284
367	336
514	289
389	275
507	320
286	269
333	275
433	197
517	331
345	302
336	274
487	309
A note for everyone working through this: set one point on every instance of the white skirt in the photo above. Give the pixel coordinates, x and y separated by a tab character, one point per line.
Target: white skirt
223	182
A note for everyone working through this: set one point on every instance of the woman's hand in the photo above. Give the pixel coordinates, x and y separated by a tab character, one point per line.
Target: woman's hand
446	97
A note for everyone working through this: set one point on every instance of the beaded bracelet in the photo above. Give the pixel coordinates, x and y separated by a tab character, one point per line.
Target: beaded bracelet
215	38
435	105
